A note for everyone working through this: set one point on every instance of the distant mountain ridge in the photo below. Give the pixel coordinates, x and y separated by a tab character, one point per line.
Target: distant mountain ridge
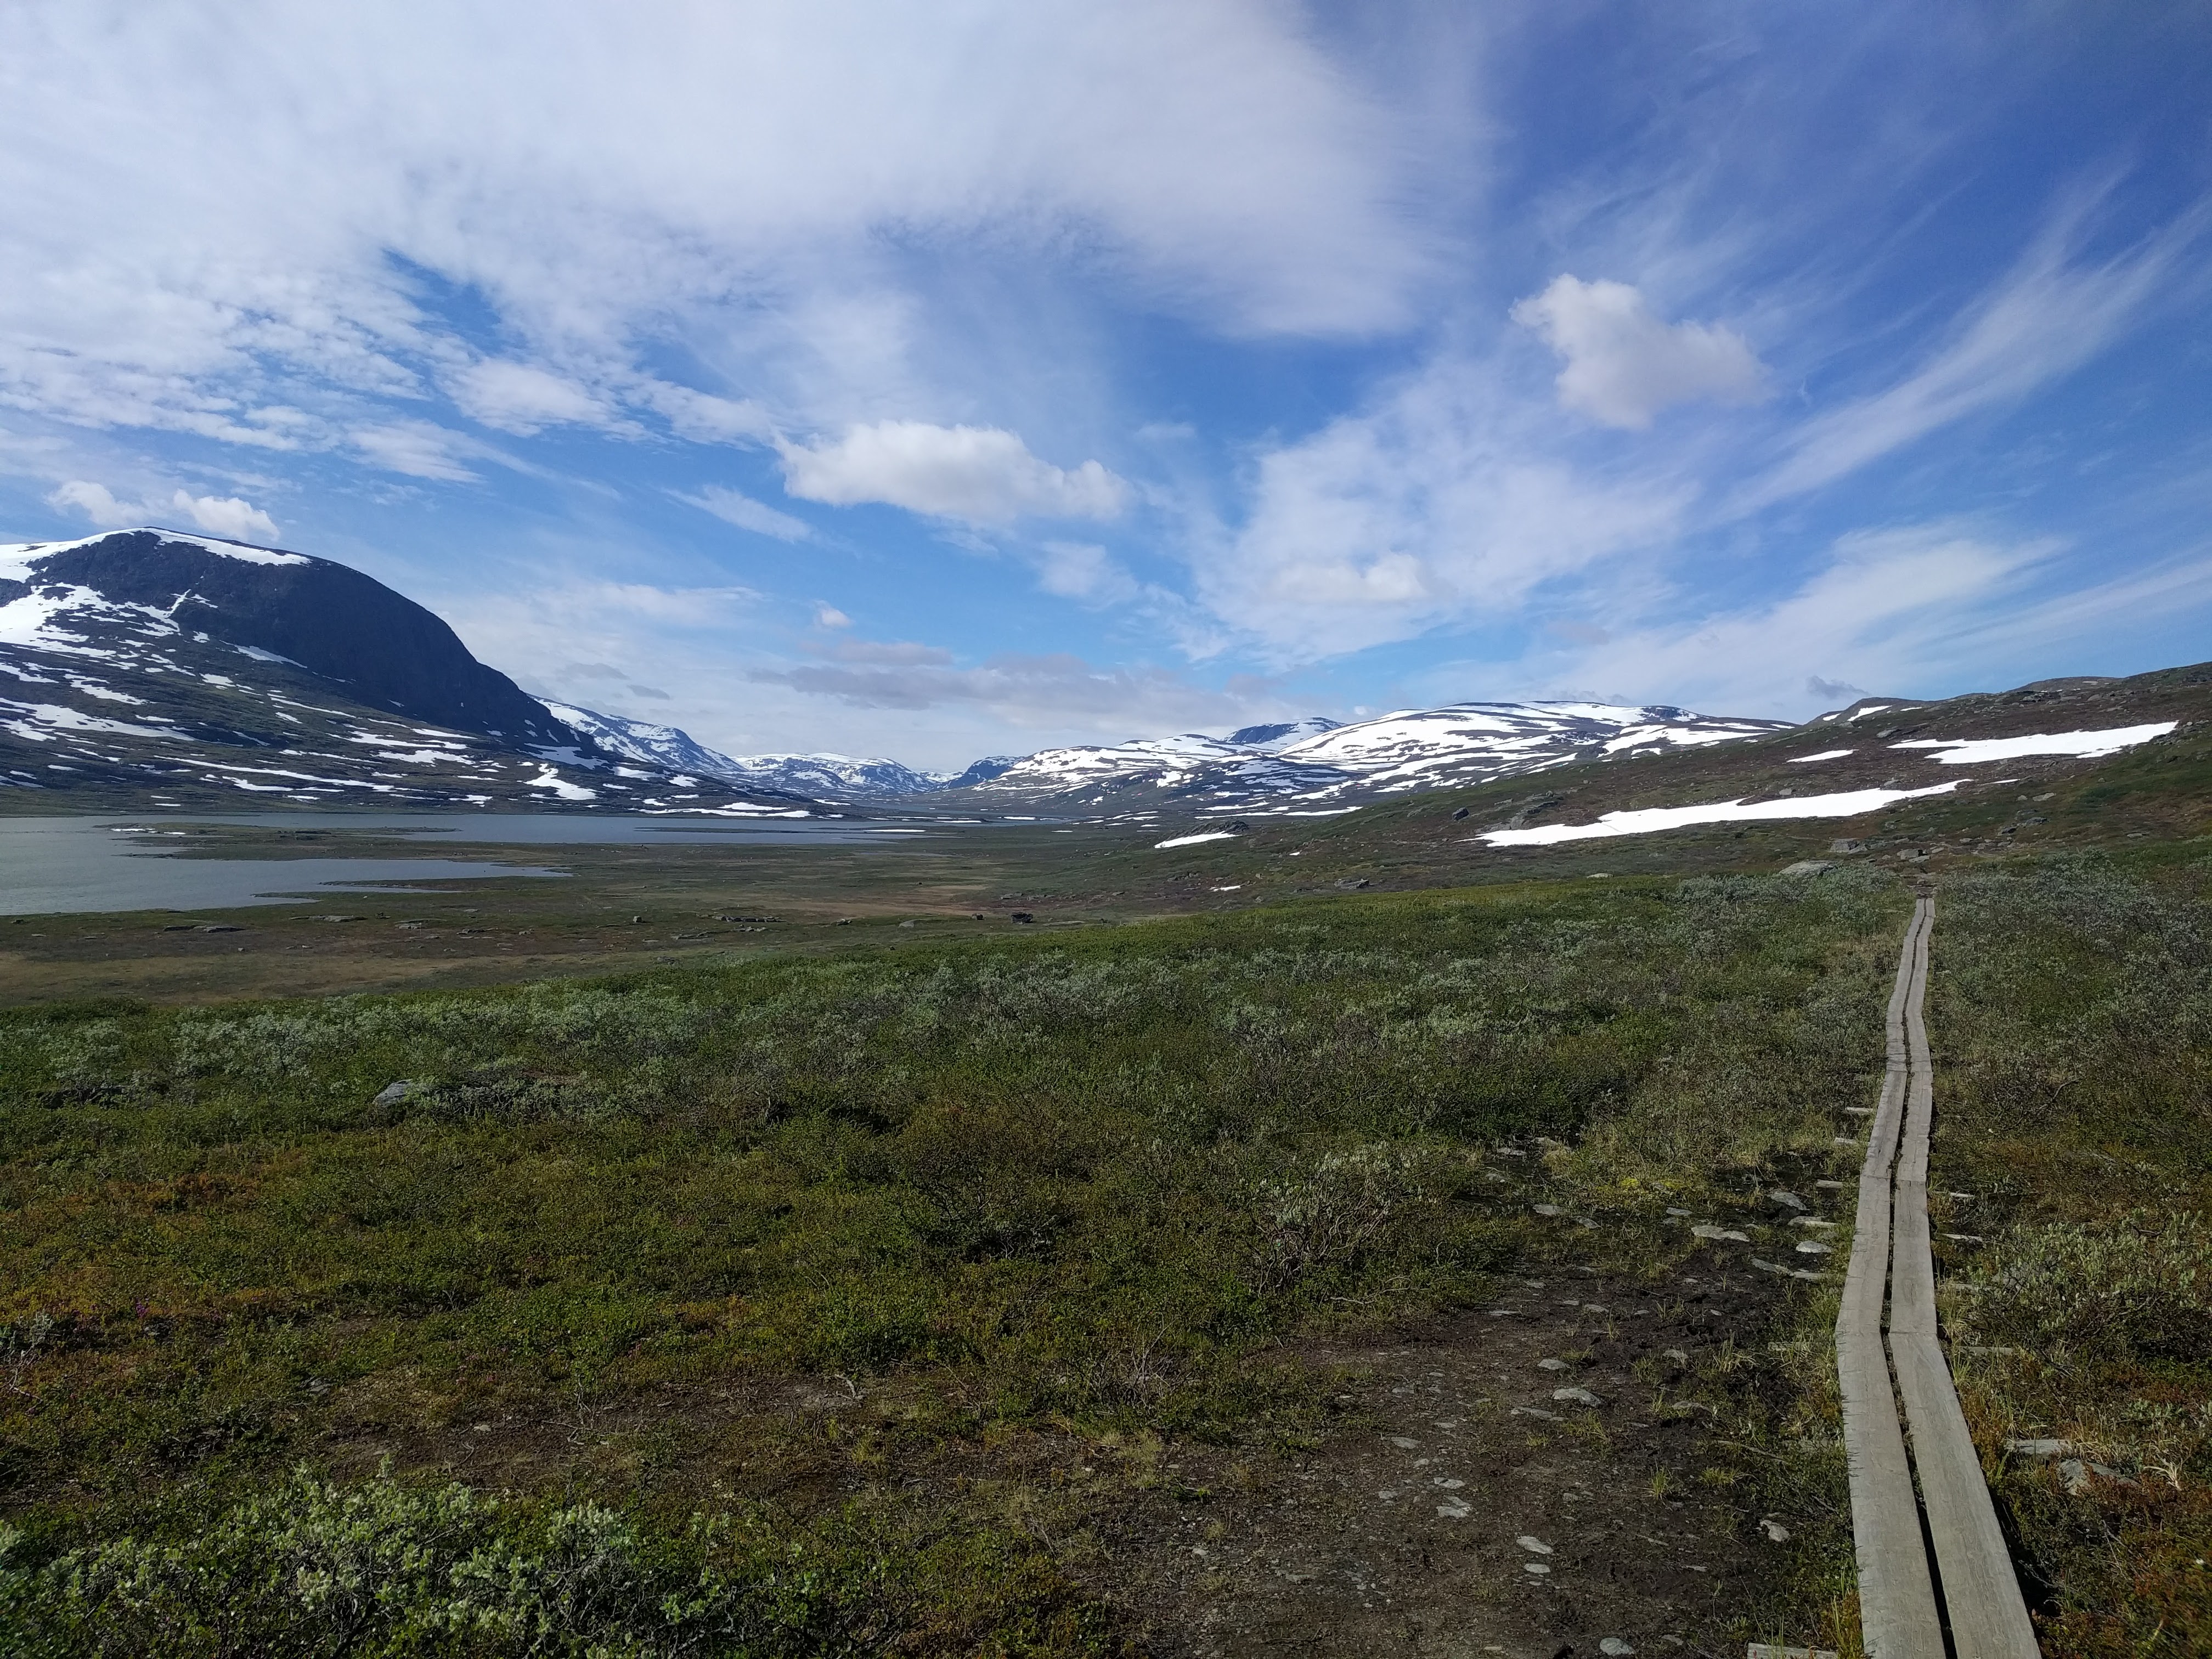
1317	765
180	668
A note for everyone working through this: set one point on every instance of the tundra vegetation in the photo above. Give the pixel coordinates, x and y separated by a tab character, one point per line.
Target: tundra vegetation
451	1322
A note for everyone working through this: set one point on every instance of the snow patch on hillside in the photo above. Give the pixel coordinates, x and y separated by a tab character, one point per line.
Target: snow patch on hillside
1646	820
1970	752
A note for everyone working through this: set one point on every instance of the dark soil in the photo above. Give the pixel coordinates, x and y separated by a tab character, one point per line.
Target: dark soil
1398	1534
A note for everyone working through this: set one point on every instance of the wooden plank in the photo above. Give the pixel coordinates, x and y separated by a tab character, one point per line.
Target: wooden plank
1896	1595
1982	1601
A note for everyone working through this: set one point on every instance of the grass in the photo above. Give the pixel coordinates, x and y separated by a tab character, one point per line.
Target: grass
2072	1002
473	1322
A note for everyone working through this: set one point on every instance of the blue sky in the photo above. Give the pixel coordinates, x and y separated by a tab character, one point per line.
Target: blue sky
932	382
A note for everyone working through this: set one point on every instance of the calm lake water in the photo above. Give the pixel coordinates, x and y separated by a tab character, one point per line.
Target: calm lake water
86	864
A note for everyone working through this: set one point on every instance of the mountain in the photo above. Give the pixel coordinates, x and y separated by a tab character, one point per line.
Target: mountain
147	666
832	778
1318	766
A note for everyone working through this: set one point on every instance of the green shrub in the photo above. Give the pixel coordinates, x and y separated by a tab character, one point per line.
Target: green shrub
2140	1287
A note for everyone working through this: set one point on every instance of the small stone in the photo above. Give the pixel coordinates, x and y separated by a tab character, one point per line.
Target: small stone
1403	1442
1814	1247
2036	1448
1614	1648
1454	1509
392	1094
2073	1475
1846	1140
1534	1545
1447	1483
1535	1411
1790	1198
1678	1356
1551	1365
1774	1531
1595	1307
1706	1230
1536	1567
1830	1186
1810	1221
1672	1211
1545	1209
1576	1396
1808	867
1766	1266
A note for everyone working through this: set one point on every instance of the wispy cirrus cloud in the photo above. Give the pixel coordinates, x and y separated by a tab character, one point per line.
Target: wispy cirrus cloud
734	506
2052	313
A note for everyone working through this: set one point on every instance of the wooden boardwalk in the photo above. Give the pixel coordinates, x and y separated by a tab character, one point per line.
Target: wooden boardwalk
1931	1564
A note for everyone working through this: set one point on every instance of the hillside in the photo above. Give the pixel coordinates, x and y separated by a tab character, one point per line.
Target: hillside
150	668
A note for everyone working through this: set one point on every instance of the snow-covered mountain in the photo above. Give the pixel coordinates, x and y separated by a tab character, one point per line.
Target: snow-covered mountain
1317	765
147	666
824	777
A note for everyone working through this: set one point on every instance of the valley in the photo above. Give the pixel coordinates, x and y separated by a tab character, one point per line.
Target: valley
1214	1210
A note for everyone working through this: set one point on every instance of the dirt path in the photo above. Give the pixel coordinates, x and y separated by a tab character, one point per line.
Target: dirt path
1464	1508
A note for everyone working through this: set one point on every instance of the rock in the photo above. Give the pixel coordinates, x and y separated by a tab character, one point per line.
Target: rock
2037	1448
1537	1410
1706	1230
1808	867
1830	1186
1614	1648
1547	1209
1576	1396
1774	1531
1552	1364
394	1094
1536	1567
1766	1266
1678	1356
1461	813
1454	1509
1814	1247
1790	1198
1672	1211
2074	1474
1811	1221
1533	1544
1847	847
1403	1443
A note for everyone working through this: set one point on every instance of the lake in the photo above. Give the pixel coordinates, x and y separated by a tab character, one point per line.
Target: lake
57	864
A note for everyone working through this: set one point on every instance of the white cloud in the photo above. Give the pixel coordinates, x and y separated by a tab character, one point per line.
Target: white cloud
981	474
98	504
203	226
227	516
828	615
1052	692
734	506
1081	570
1623	364
1447	500
1890	608
519	397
